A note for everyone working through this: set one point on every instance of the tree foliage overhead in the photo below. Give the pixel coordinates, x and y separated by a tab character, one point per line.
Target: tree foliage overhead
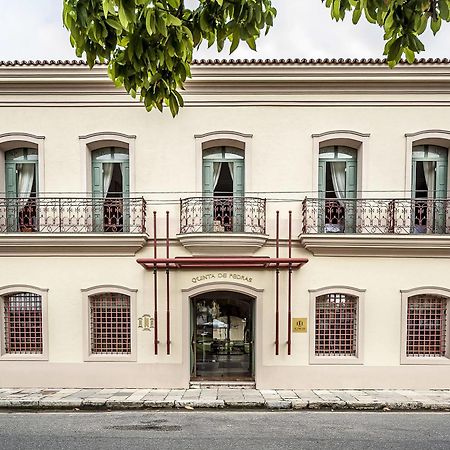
402	20
148	44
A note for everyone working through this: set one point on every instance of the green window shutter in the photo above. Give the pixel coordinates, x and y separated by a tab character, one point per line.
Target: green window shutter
97	179
125	168
208	178
11	193
208	190
322	179
441	179
10	180
97	196
351	179
350	193
238	194
441	194
321	194
239	178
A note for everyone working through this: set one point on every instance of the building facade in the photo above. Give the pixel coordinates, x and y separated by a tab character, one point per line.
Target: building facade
289	228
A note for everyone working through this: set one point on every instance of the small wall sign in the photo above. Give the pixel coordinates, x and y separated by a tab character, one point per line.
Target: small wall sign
299	325
145	322
222	276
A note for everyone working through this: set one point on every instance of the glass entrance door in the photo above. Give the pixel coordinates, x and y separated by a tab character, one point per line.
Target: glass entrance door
222	337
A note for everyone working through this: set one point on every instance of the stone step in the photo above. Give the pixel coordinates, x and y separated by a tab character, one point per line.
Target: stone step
222	384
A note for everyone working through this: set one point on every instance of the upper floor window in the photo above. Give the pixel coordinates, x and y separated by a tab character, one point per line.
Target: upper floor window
110	189
429	188
337	184
21	187
223	173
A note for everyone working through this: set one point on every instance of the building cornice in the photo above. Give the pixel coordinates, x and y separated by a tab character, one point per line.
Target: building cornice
248	83
392	246
40	244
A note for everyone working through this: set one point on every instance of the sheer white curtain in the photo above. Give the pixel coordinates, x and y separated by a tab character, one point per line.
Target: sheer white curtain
25	181
108	169
217	167
430	177
231	167
338	178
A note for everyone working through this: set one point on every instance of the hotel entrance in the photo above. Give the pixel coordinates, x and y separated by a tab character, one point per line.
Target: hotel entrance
222	337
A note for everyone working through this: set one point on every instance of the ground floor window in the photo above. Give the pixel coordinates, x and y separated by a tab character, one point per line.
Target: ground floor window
22	314
426	326
336	325
110	324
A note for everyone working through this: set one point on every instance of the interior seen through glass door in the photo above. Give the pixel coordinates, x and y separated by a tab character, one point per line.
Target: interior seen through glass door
223	337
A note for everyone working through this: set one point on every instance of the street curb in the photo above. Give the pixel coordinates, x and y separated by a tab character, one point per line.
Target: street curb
99	404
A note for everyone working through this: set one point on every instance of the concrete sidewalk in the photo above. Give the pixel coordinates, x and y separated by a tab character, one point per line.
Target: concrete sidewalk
224	397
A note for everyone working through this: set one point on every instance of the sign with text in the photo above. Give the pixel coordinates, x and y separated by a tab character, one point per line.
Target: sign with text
220	276
299	325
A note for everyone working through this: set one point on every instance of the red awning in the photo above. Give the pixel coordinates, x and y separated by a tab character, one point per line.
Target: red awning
254	262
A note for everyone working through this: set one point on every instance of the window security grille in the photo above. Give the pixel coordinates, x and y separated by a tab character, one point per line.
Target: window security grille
336	325
110	324
22	323
426	326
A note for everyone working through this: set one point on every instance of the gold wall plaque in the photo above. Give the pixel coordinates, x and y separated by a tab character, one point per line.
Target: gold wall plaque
146	322
299	325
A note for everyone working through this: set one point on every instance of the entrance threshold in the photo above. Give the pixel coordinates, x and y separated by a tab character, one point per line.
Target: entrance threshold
222	384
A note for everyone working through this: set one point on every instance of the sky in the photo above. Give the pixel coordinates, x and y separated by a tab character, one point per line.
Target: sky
32	29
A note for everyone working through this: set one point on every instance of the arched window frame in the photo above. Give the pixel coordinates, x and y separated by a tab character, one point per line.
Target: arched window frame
234	139
425	290
440	138
96	141
102	289
12	141
345	138
43	293
346	290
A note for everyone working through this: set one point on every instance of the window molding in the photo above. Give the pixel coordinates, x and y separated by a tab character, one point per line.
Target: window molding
418	360
348	138
43	293
100	289
211	139
13	140
98	140
440	138
344	360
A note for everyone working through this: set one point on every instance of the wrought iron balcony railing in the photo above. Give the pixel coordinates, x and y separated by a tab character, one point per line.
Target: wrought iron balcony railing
376	216
223	215
72	215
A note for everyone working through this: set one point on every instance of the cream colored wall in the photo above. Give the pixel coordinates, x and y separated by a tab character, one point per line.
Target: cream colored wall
382	278
281	162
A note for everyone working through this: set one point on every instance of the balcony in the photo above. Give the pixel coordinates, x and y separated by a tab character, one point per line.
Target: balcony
63	225
222	225
387	227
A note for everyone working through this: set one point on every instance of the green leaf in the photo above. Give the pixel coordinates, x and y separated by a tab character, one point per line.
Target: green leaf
123	17
435	25
356	15
235	42
251	43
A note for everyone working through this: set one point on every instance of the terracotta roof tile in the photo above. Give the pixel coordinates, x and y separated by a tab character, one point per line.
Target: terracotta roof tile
239	62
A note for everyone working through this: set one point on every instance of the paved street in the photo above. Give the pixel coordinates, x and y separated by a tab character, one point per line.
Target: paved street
225	397
223	430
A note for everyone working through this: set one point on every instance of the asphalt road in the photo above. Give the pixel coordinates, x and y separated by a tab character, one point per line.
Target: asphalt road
200	430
